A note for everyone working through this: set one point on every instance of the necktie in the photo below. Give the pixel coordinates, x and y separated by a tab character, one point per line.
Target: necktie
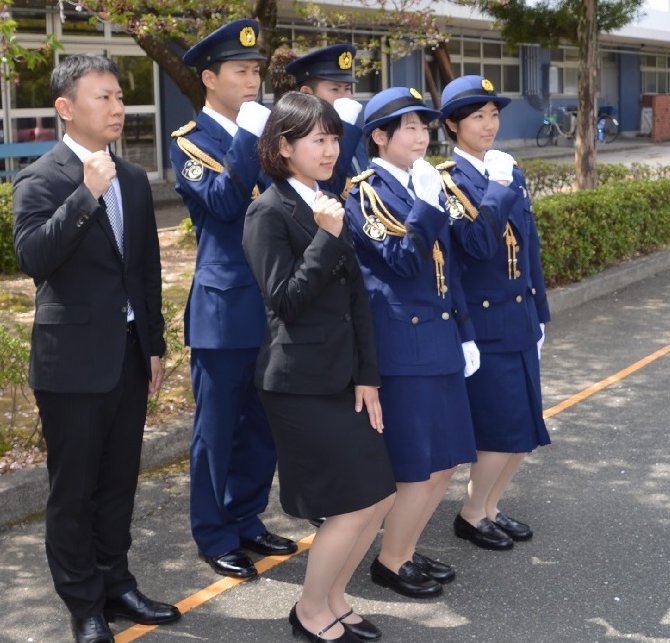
116	221
410	188
114	216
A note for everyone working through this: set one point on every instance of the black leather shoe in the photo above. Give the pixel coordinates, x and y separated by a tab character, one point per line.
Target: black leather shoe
235	564
91	629
409	581
441	572
364	630
270	545
513	528
316	522
136	607
298	628
484	534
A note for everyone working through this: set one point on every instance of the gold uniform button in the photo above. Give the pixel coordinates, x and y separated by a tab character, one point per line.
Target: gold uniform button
445	288
519	299
517	273
516	248
415	320
445	316
486	303
533	291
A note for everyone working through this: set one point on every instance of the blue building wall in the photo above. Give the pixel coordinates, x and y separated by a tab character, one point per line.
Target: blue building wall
630	90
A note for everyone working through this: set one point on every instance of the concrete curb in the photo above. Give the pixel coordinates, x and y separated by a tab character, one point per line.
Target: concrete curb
24	492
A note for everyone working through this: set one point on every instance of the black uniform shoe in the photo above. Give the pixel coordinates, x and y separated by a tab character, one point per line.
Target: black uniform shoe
136	607
513	528
298	628
235	564
364	630
409	581
316	522
484	534
91	629
441	572
270	545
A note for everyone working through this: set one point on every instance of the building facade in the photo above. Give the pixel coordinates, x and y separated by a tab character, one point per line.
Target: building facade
634	65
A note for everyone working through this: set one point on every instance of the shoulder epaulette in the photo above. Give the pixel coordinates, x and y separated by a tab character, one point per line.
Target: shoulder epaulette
363	175
184	129
447	165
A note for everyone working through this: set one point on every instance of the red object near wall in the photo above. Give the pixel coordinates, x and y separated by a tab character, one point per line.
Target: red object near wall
660	118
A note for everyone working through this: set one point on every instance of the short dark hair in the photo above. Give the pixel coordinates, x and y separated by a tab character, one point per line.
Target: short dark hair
66	74
293	116
461	113
390	128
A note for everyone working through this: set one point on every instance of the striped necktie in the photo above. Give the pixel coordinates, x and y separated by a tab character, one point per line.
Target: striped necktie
114	216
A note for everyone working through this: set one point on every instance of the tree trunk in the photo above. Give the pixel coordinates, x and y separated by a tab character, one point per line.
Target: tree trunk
172	64
444	63
585	146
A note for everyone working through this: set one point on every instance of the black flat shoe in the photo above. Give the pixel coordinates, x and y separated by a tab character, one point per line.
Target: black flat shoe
316	522
441	572
364	630
135	606
298	628
513	528
409	581
91	629
484	534
269	544
236	564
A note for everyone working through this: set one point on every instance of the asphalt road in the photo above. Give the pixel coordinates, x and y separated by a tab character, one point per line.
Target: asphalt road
597	570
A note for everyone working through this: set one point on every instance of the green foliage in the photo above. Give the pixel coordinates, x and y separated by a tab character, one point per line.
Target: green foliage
584	232
14	358
7	257
550	22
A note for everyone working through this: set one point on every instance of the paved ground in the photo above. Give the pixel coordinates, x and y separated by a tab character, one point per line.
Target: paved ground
599	499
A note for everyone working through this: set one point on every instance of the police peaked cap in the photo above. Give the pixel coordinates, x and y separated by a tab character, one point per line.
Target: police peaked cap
392	103
335	63
468	90
234	41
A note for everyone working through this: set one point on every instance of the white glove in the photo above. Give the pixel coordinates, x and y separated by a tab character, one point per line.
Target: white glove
348	109
540	342
499	165
471	354
427	182
252	117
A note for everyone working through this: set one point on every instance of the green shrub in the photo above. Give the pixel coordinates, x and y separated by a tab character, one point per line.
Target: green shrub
7	257
14	358
584	232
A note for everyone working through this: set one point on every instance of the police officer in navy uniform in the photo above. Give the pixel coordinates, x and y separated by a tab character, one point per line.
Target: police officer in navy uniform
498	247
402	235
329	74
217	169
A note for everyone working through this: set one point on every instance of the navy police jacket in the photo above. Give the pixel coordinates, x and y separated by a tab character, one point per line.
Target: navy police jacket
224	308
418	332
505	311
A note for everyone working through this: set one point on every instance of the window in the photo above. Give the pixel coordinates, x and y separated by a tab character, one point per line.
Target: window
655	70
492	59
565	60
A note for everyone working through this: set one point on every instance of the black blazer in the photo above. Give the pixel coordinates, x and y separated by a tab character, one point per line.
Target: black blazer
64	241
319	336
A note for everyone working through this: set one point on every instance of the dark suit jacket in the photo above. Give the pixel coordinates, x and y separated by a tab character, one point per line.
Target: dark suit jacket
319	337
64	241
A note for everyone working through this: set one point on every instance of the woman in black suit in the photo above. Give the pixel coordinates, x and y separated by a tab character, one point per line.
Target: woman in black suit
317	368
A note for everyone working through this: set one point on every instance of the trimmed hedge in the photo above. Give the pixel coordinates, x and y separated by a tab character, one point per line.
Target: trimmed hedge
584	232
7	257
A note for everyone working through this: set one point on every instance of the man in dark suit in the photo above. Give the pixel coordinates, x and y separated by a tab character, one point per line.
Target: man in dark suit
232	453
85	231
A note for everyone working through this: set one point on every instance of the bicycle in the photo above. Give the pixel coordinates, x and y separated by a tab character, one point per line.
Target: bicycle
563	123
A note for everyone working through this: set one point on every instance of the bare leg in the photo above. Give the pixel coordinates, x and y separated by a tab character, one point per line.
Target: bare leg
502	482
336	599
333	545
483	477
414	505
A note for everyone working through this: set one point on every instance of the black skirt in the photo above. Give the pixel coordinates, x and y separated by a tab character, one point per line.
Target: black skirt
330	460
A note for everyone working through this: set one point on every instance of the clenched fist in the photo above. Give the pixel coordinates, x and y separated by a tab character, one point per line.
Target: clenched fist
99	170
